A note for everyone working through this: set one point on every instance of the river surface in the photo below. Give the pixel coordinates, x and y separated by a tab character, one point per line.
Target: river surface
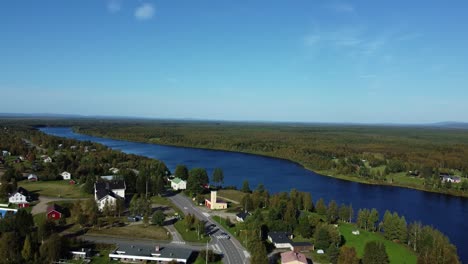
447	213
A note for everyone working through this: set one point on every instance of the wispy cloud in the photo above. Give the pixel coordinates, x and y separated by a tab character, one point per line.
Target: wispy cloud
145	11
341	7
114	6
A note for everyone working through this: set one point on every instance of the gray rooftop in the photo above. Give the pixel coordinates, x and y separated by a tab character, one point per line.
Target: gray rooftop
164	251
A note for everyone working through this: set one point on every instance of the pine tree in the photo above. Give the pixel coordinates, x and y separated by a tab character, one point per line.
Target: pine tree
320	207
26	252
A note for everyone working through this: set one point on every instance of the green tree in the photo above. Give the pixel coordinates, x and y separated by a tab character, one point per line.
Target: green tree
290	216
10	248
197	178
372	219
348	255
53	248
26	252
361	220
246	187
322	238
181	172
247	203
218	176
88	187
158	218
258	253
332	212
333	254
307	201
320	207
375	253
46	229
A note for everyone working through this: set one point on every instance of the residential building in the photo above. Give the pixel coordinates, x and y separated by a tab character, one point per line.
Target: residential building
142	253
292	257
108	192
66	175
284	240
21	197
280	239
47	160
83	253
214	203
54	212
33	177
450	178
178	184
240	217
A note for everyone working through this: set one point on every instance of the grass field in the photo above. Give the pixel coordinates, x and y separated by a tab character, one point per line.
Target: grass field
60	189
189	236
135	231
397	253
233	195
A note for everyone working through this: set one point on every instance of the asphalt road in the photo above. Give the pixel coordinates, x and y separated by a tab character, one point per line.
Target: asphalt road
232	250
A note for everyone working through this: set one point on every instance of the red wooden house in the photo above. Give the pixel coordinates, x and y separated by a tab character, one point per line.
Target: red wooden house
54	212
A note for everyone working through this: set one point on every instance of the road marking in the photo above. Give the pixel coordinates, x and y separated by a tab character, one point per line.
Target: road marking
185	208
178	242
206	214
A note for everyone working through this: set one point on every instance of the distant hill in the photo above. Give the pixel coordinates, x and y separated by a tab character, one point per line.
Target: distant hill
450	124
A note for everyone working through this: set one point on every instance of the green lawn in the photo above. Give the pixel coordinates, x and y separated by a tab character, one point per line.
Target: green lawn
397	253
135	231
233	195
54	189
189	236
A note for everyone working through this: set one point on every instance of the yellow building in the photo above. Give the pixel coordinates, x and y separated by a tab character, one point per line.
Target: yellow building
214	203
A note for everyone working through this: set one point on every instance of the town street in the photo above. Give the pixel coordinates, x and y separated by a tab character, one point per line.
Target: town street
233	251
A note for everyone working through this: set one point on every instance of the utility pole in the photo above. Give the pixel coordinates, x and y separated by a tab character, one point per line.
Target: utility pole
206	258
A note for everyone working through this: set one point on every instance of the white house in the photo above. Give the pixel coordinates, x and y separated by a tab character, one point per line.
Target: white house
280	239
66	175
103	198
108	191
47	159
20	197
178	184
32	177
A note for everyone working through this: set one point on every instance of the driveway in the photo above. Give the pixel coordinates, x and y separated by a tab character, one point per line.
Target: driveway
41	207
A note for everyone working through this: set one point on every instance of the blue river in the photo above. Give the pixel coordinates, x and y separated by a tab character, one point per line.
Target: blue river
447	213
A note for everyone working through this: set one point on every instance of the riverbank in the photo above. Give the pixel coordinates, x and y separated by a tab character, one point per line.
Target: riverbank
326	173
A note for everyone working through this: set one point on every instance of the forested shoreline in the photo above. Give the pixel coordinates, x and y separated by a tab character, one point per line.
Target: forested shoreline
411	157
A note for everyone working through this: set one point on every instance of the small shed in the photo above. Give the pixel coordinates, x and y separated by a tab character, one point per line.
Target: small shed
54	212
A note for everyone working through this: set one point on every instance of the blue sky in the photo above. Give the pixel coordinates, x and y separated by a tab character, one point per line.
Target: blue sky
301	60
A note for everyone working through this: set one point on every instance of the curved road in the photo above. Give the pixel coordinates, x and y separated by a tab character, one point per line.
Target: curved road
233	251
